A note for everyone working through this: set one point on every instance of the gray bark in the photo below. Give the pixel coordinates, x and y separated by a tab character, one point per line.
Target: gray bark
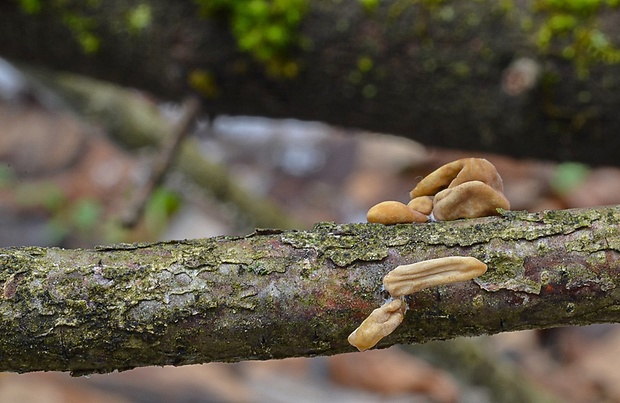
276	294
436	73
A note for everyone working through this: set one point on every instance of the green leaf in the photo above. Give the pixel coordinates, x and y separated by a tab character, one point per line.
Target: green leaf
30	6
568	176
140	17
86	213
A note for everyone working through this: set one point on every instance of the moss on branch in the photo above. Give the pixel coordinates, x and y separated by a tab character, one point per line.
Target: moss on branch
275	294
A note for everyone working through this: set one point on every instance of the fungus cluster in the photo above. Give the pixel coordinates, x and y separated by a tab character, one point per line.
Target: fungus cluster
405	280
465	188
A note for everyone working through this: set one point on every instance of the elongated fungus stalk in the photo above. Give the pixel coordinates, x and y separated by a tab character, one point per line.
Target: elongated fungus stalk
380	323
410	278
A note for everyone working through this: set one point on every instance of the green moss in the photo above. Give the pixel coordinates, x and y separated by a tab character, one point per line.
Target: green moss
266	29
369	5
571	29
139	18
447	14
364	64
363	75
77	20
31	6
80	18
461	69
203	82
354	77
369	91
344	248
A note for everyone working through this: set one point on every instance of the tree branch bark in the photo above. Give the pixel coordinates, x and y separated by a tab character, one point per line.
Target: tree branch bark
276	294
437	75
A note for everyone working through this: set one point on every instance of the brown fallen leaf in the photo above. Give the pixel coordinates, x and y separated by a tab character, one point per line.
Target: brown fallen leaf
392	372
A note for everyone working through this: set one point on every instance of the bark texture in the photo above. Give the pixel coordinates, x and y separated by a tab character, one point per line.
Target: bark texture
433	71
276	294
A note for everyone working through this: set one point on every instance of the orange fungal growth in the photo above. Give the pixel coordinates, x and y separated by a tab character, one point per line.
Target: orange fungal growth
410	278
458	172
468	200
380	323
466	188
393	212
423	204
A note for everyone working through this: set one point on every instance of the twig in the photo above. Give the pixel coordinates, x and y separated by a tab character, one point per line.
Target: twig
161	165
133	123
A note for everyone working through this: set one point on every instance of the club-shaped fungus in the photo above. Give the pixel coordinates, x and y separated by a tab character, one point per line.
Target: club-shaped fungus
380	323
410	278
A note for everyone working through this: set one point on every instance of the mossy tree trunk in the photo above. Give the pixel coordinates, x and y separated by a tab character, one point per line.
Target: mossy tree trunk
276	294
443	73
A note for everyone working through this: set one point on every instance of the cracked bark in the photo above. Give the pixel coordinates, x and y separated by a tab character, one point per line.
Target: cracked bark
276	294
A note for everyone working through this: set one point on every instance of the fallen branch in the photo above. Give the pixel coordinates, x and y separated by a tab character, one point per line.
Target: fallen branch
276	294
162	164
135	123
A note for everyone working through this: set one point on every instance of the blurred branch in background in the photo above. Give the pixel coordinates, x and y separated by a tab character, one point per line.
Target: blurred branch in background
161	164
135	123
526	79
472	361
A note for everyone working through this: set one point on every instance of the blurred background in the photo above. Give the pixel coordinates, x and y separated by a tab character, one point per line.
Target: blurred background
76	153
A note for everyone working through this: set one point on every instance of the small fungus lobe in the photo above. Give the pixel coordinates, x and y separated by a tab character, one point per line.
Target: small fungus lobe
468	200
423	204
380	323
456	173
393	212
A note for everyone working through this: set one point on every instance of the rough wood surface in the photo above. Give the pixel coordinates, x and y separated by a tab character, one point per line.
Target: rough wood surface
275	294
